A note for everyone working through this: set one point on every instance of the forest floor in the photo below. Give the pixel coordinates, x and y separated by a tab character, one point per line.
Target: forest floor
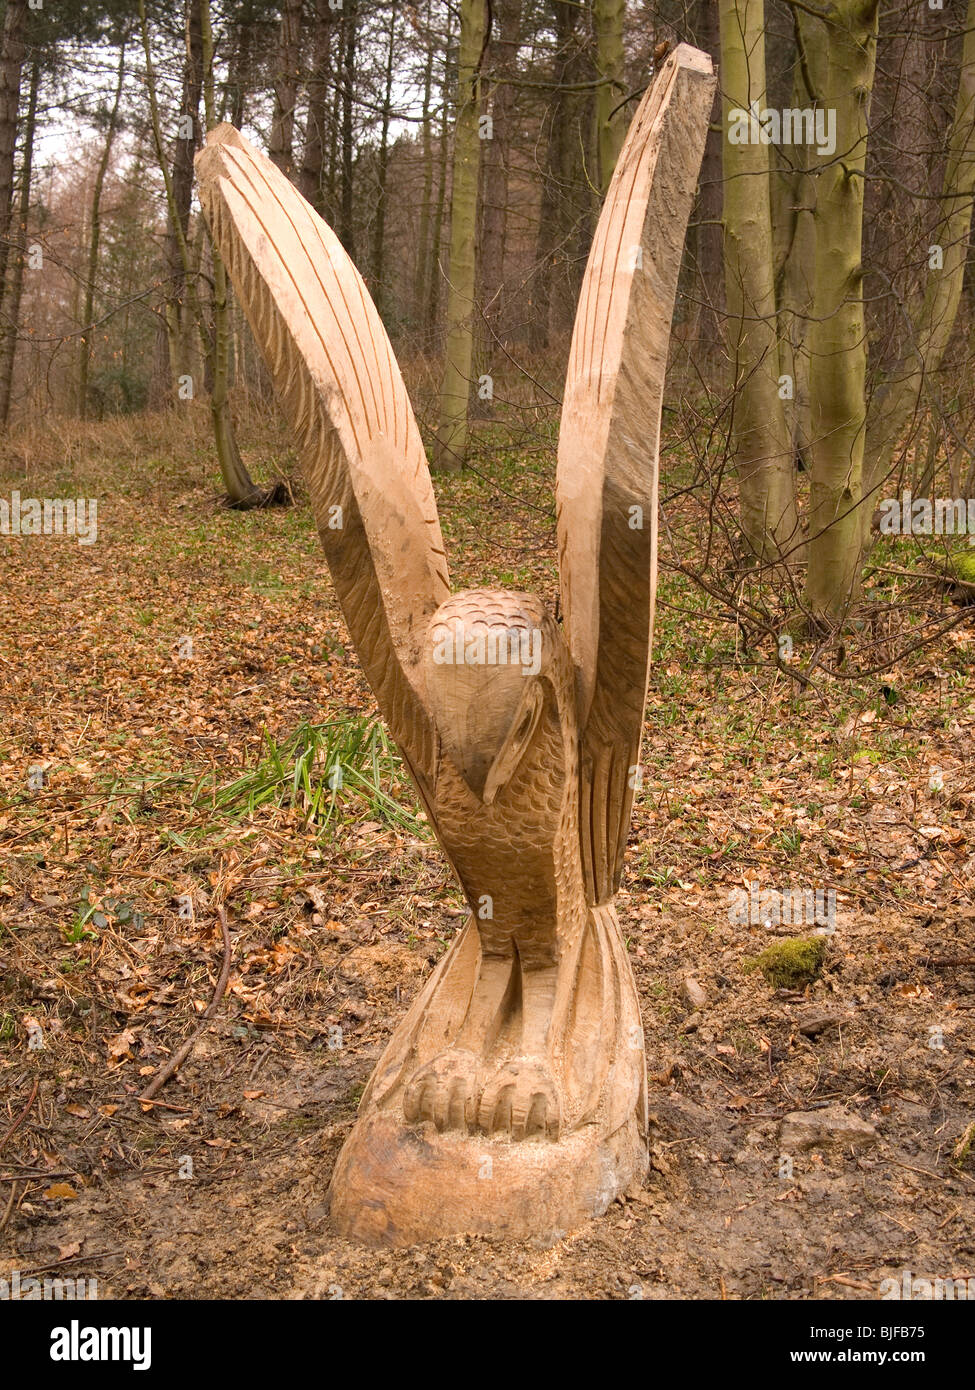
144	784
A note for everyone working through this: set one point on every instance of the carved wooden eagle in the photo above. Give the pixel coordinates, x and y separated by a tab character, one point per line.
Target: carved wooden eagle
523	737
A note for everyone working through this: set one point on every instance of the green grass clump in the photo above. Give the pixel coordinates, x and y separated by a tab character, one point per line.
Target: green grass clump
345	769
791	964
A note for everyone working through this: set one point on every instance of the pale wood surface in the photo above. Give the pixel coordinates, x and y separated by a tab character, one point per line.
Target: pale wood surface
340	387
609	442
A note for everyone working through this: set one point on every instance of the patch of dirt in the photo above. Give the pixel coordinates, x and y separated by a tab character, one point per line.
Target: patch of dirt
740	1201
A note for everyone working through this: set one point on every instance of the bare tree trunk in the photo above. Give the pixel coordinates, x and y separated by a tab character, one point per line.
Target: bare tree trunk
335	121
762	455
494	209
179	297
553	295
12	55
896	403
909	127
8	347
313	155
546	240
706	331
287	59
242	491
241	63
421	268
842	72
347	211
435	273
379	225
87	312
579	203
607	19
795	287
450	447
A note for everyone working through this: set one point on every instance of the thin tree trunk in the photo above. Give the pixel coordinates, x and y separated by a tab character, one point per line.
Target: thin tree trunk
450	447
193	348
910	120
8	347
313	155
578	205
177	307
554	298
242	491
842	71
607	21
241	66
435	273
896	404
762	455
494	210
546	240
332	188
12	54
795	282
379	225
706	330
421	268
87	312
281	141
346	219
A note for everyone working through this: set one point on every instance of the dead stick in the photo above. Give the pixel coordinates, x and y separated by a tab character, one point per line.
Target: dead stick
181	1053
20	1118
73	1260
10	1206
910	1169
35	1175
164	1105
841	1279
948	962
15	1186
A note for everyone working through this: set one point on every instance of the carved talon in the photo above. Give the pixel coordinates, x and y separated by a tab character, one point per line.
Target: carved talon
522	1100
444	1091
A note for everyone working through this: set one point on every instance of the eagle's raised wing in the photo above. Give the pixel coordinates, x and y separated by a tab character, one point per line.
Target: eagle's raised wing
336	377
608	442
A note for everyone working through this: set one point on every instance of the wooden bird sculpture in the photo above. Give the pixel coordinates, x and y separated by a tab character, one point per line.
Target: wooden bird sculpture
511	1099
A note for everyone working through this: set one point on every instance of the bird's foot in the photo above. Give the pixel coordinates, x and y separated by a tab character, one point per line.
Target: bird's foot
521	1099
444	1090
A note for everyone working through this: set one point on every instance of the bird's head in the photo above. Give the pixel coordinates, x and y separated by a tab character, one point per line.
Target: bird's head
495	664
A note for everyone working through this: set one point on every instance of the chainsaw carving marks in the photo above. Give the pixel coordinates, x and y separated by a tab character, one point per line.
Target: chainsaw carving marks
511	1099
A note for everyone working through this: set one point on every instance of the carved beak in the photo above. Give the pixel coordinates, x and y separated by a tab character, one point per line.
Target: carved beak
486	739
515	745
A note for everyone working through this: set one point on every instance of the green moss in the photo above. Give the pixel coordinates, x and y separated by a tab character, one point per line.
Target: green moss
791	964
963	565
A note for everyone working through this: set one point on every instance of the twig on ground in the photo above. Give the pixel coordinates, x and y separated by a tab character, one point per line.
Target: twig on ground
14	1188
20	1118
